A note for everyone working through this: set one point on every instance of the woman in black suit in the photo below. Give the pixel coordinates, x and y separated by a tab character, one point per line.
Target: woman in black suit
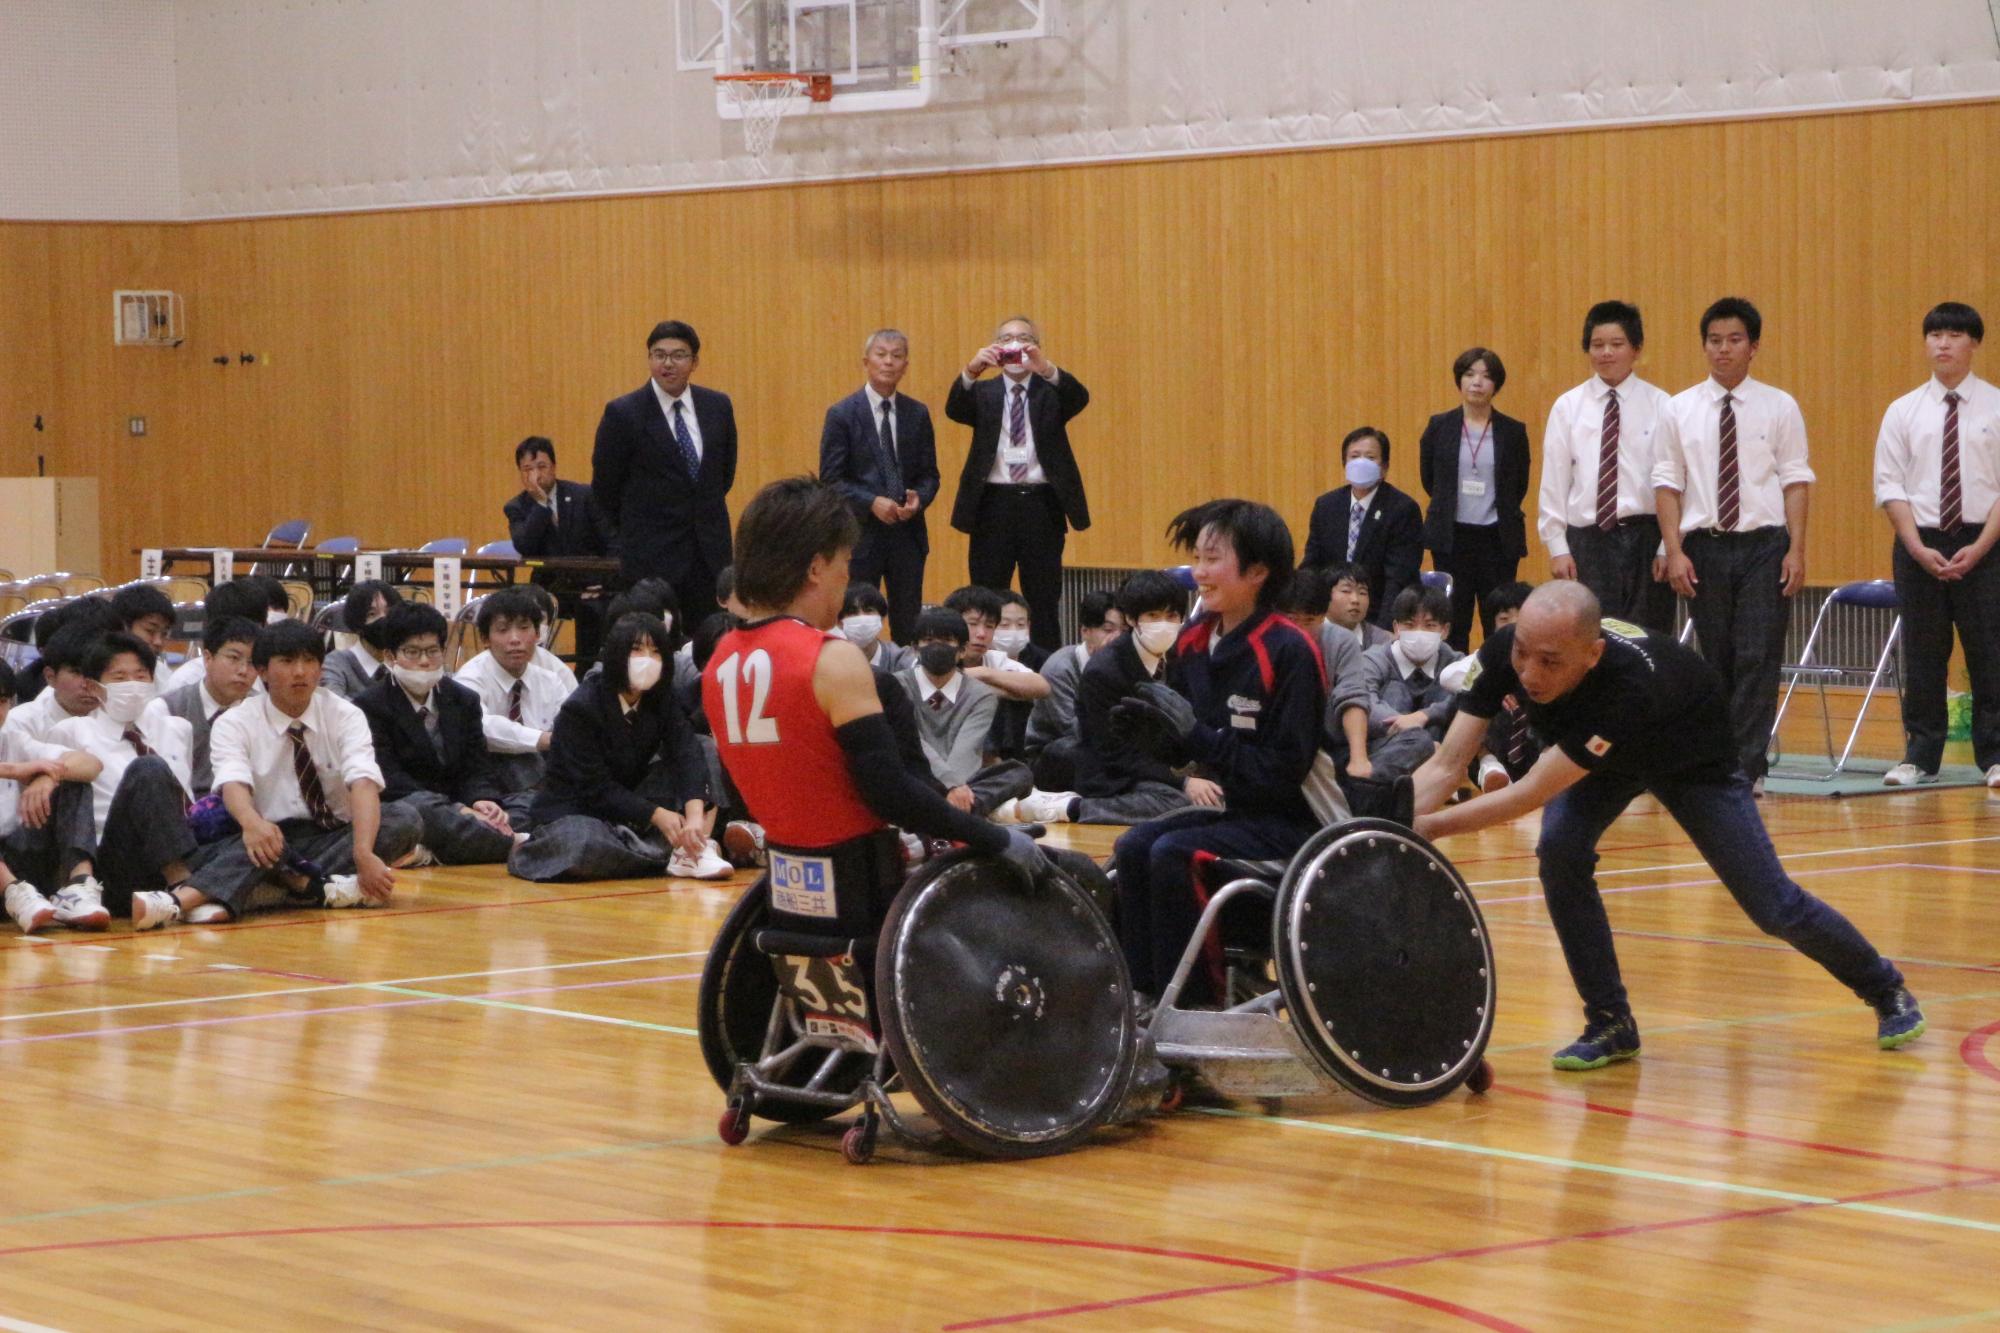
1475	470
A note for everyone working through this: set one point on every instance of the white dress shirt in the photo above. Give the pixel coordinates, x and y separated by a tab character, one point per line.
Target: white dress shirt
1006	454
1570	449
35	719
16	747
925	689
1909	453
542	695
1770	453
249	745
686	400
169	737
875	401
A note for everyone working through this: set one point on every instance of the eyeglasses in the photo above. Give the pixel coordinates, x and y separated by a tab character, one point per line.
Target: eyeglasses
417	655
672	358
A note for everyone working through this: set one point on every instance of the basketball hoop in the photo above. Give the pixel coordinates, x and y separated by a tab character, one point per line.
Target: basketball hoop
763	98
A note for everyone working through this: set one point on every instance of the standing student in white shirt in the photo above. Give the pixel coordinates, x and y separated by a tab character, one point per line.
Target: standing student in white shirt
1733	483
1937	478
296	769
139	798
1598	515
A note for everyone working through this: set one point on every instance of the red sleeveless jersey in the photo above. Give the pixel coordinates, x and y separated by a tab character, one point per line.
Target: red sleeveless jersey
775	739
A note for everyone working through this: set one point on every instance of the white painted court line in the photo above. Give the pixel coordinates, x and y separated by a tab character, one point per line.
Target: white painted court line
1970	870
23	1326
1793	856
344	985
1699	883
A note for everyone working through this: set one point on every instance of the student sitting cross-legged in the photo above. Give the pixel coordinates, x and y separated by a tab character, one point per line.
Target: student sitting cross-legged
147	614
430	745
26	763
954	715
226	680
51	835
353	669
1409	707
1052	722
626	790
297	772
520	693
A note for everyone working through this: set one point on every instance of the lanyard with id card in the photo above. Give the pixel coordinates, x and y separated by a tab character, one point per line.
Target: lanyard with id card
1468	485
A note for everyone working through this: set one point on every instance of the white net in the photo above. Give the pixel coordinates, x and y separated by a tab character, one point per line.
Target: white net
763	103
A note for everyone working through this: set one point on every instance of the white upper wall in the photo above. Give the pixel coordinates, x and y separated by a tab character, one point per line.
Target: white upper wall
309	105
87	110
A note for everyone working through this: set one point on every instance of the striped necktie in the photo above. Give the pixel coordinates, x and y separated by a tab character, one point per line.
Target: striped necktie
1607	466
1017	431
514	701
137	742
310	790
1728	479
1951	507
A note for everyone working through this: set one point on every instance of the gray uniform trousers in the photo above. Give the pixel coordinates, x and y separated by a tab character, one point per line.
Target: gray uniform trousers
454	837
224	871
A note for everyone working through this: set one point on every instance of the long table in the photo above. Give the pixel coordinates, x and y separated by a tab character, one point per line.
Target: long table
331	573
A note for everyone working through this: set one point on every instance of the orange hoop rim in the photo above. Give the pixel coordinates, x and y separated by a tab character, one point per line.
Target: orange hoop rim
817	87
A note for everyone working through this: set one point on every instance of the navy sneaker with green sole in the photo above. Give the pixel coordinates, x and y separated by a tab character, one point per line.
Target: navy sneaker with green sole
1898	1020
1606	1038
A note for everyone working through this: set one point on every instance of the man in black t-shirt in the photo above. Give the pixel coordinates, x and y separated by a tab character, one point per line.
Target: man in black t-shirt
1622	712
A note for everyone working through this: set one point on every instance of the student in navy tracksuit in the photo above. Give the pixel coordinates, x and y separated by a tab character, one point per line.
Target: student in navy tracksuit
1244	700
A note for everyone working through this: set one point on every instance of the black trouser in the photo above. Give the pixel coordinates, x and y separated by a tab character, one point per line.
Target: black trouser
891	556
1024	527
1477	566
1740	613
47	856
1618	567
1931	609
145	831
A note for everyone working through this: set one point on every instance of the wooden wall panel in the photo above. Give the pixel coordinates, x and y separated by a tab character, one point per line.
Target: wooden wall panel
1233	317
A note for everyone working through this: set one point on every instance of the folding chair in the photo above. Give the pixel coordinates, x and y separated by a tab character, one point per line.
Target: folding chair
292	532
1856	600
1437	578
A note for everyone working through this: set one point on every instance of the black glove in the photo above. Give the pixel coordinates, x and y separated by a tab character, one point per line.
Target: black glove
1154	719
1023	855
1393	799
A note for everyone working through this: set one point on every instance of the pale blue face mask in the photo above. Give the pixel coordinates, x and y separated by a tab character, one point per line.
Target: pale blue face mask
1363	472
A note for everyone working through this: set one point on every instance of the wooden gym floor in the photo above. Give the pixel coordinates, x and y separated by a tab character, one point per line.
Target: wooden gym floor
483	1108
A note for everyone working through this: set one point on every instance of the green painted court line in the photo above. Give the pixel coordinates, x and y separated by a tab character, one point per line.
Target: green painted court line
1702	1025
1606	1169
1946	1321
414	1173
531	1009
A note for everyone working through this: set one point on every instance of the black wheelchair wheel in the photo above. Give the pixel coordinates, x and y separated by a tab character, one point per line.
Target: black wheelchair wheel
1007	1008
738	992
1384	963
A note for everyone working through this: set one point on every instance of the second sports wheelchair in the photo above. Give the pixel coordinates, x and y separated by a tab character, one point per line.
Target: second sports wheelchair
1006	1010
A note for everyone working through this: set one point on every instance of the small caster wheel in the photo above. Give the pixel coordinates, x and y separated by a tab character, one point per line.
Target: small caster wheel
734	1126
1480	1079
857	1145
1171	1099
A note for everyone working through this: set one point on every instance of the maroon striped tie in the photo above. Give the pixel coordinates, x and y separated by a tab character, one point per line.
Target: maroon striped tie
137	742
1728	481
1950	501
1607	466
309	787
1017	430
514	701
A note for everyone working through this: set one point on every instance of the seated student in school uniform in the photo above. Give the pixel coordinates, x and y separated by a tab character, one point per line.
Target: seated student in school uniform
139	798
1348	606
70	693
296	769
863	612
227	679
1009	739
1306	600
146	613
981	610
543	653
353	669
90	615
626	792
1051	734
243	598
1409	707
1115	781
520	694
955	714
431	746
24	762
1511	746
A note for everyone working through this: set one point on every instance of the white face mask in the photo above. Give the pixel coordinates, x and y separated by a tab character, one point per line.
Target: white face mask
1419	645
124	700
417	682
1156	636
274	616
1363	472
1010	641
642	673
862	631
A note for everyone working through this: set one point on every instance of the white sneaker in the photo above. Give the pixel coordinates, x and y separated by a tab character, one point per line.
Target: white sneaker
1993	776
1493	774
153	909
419	857
711	864
344	891
29	908
1007	812
208	914
1906	775
1044	807
80	906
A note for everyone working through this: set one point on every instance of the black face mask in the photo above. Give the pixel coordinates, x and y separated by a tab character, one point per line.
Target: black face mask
938	658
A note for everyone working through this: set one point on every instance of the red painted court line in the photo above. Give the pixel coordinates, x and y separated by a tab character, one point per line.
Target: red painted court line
1973	1051
1734	1133
1121	1303
1279	1272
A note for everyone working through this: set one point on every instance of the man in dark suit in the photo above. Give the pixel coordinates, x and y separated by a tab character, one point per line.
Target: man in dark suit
878	448
661	472
1021	490
551	517
1368	523
430	744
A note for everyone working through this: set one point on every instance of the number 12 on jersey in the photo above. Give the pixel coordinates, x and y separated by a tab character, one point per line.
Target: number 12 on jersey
754	671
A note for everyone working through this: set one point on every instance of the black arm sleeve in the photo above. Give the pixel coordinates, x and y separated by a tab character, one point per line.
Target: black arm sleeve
888	789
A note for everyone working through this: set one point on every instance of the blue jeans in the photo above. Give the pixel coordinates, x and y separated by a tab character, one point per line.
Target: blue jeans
1721	817
1159	900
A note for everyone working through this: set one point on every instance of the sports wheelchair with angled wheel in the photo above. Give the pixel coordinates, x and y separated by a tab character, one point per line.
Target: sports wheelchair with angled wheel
1006	1009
